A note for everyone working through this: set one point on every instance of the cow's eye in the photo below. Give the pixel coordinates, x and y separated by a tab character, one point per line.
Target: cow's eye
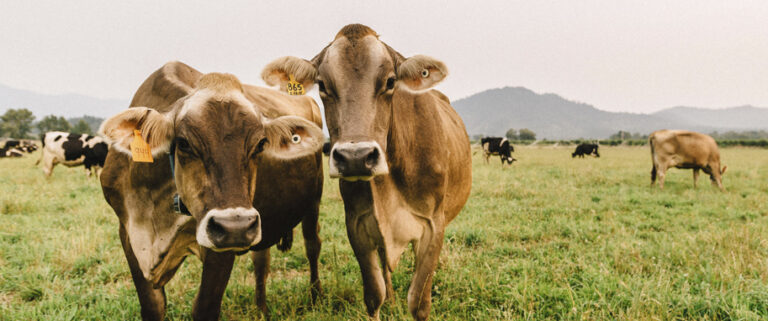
321	86
390	83
183	145
260	146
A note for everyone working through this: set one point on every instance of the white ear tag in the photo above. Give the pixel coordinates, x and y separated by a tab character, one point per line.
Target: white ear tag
425	73
296	138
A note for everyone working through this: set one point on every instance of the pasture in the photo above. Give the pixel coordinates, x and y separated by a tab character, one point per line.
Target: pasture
549	238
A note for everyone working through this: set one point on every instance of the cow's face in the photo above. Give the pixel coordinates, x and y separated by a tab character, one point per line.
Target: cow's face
358	77
218	137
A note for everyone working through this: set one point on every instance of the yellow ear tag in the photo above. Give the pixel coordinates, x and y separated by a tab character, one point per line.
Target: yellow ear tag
294	87
140	149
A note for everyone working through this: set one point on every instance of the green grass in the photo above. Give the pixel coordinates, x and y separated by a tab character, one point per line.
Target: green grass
550	238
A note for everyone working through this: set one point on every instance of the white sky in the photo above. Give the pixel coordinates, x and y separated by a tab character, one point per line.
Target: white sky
617	55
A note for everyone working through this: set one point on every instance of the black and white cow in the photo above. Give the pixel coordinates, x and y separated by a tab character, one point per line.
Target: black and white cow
10	152
585	149
23	145
498	146
73	150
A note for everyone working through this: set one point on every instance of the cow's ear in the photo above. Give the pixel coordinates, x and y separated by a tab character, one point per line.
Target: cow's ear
420	73
156	129
280	71
290	137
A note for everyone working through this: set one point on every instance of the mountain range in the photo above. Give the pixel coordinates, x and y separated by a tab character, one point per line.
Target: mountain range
494	111
491	112
67	105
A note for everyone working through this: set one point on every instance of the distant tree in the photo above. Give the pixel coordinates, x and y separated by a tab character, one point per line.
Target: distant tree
511	134
625	135
82	127
53	123
526	134
94	122
621	135
16	123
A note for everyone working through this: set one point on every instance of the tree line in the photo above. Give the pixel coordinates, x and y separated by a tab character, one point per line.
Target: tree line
20	123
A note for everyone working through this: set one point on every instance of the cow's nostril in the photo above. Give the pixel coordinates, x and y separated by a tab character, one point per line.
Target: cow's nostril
254	224
338	157
216	230
372	158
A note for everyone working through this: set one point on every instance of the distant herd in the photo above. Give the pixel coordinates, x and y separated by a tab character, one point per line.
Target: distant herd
202	164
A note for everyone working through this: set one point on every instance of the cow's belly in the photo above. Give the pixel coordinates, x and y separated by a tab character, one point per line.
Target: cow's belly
73	162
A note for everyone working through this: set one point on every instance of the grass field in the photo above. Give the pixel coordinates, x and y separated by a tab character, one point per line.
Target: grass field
550	238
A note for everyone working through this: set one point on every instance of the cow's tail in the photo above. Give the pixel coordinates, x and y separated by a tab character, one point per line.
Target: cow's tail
651	140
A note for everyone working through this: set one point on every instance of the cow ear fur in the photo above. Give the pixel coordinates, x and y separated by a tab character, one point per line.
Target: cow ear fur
278	72
156	129
290	137
420	73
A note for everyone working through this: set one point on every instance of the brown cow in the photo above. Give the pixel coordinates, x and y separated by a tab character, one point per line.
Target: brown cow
247	167
400	149
685	149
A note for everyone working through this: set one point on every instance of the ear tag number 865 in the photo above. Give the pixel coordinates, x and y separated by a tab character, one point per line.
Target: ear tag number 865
294	87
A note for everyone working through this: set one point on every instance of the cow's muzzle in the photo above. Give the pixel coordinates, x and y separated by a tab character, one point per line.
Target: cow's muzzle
357	161
230	229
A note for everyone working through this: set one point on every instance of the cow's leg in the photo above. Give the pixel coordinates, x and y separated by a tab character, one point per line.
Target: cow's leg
420	292
487	157
311	231
261	271
695	177
374	285
152	300
387	274
217	267
48	164
662	172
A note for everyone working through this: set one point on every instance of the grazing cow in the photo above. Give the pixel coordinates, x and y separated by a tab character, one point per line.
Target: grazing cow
585	149
10	152
327	149
497	146
685	149
400	150
23	145
73	150
243	161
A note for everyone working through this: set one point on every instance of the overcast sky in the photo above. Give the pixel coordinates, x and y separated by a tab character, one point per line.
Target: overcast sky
616	55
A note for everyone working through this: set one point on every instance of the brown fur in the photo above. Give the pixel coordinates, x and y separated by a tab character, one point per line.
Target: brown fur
219	82
685	149
426	148
355	31
156	240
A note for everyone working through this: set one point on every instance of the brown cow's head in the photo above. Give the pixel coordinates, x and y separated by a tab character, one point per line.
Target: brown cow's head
358	75
219	137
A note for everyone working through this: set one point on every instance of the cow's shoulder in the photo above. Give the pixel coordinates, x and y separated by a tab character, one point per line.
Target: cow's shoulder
439	95
166	85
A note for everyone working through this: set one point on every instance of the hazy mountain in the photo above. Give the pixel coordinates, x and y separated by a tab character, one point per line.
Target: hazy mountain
67	105
743	117
493	111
